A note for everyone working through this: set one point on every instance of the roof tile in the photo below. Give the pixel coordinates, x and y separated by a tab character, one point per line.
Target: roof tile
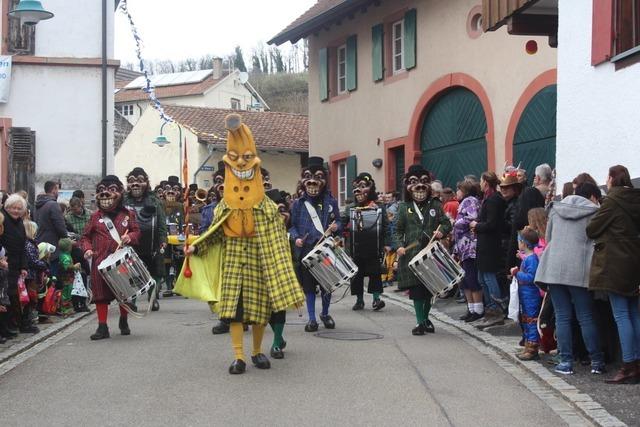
272	131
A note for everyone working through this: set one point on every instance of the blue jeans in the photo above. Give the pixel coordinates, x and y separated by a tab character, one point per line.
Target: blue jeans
627	316
490	289
565	299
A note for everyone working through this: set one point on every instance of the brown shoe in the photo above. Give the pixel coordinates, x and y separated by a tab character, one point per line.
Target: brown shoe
530	352
628	374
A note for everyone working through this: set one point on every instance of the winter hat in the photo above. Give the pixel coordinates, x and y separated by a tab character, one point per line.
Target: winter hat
45	248
65	244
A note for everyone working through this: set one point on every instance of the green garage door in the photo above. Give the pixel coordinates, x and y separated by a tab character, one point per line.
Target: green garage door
535	140
453	137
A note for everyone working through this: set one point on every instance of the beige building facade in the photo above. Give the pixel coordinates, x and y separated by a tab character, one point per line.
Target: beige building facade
418	75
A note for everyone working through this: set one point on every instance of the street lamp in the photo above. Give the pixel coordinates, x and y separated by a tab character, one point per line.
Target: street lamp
162	140
30	12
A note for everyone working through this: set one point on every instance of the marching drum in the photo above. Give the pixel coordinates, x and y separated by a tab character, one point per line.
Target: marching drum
330	265
436	269
125	274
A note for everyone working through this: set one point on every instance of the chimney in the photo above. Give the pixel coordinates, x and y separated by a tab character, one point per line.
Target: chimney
217	68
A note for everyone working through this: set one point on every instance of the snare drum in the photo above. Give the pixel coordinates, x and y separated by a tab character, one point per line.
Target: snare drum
125	274
330	265
436	269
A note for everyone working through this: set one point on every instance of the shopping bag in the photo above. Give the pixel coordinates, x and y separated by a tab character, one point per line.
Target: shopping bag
78	286
22	291
514	301
52	300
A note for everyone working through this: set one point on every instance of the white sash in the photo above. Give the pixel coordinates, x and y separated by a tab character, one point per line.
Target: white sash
314	217
112	230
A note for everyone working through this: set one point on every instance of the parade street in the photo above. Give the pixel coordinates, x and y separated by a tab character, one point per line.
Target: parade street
173	371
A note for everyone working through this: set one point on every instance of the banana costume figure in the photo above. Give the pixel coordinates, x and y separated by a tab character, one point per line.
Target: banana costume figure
245	254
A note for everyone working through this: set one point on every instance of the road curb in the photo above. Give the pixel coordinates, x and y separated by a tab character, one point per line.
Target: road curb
582	402
35	339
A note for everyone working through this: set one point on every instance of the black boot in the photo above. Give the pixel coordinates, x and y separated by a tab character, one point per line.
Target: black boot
101	333
124	326
26	325
220	328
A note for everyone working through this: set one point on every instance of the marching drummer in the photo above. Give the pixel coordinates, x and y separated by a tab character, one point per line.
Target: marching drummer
420	218
313	215
370	239
111	226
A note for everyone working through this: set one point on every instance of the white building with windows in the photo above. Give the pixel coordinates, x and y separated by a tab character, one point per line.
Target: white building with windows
215	88
51	125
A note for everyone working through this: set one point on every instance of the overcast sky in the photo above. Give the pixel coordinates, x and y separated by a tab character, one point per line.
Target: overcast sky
177	30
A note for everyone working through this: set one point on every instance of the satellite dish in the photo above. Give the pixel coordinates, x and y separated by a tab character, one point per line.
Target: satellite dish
243	77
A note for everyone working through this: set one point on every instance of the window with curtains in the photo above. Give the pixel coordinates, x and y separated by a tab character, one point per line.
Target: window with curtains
397	43
627	25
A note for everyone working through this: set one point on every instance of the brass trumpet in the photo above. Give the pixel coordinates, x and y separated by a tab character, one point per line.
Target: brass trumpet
201	195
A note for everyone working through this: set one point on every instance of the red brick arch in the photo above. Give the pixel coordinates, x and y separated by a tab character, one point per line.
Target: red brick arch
438	88
548	78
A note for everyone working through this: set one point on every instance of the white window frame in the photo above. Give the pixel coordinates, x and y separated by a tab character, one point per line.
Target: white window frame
127	110
342	77
342	184
394	52
237	102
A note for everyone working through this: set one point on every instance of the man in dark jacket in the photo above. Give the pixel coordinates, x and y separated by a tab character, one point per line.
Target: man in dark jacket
50	220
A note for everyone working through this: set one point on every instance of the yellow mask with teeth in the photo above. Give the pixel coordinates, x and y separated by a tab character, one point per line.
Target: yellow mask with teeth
243	188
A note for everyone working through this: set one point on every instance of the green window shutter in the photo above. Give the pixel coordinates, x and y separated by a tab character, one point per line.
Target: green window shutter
352	63
410	39
323	72
352	170
377	52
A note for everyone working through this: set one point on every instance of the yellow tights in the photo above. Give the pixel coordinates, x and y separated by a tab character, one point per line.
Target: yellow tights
237	335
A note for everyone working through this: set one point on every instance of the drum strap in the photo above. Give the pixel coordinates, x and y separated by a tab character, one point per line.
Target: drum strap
314	217
112	230
418	212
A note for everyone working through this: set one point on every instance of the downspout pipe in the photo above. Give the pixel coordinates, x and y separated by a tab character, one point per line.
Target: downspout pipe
104	87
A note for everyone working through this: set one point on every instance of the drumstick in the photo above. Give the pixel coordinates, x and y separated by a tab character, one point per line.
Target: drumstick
125	233
416	243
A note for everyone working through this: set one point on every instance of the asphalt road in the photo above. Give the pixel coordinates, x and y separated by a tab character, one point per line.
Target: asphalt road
173	371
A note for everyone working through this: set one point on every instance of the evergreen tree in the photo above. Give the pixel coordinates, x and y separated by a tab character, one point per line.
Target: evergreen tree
239	60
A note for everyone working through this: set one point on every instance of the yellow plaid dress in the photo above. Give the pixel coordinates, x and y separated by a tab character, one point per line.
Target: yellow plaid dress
259	269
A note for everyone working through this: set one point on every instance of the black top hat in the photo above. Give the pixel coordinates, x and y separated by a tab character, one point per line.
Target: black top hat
315	163
193	187
173	180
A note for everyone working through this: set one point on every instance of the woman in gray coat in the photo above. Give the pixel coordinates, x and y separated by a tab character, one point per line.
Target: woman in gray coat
564	268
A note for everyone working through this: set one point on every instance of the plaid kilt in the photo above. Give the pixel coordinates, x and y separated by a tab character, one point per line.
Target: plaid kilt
260	269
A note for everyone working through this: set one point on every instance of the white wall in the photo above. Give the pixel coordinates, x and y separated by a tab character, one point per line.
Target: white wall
598	108
63	106
75	30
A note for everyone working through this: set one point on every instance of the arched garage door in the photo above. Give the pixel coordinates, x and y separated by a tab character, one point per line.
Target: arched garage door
535	139
453	140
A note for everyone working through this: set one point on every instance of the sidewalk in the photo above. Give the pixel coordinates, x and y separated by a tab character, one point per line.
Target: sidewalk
24	342
604	404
